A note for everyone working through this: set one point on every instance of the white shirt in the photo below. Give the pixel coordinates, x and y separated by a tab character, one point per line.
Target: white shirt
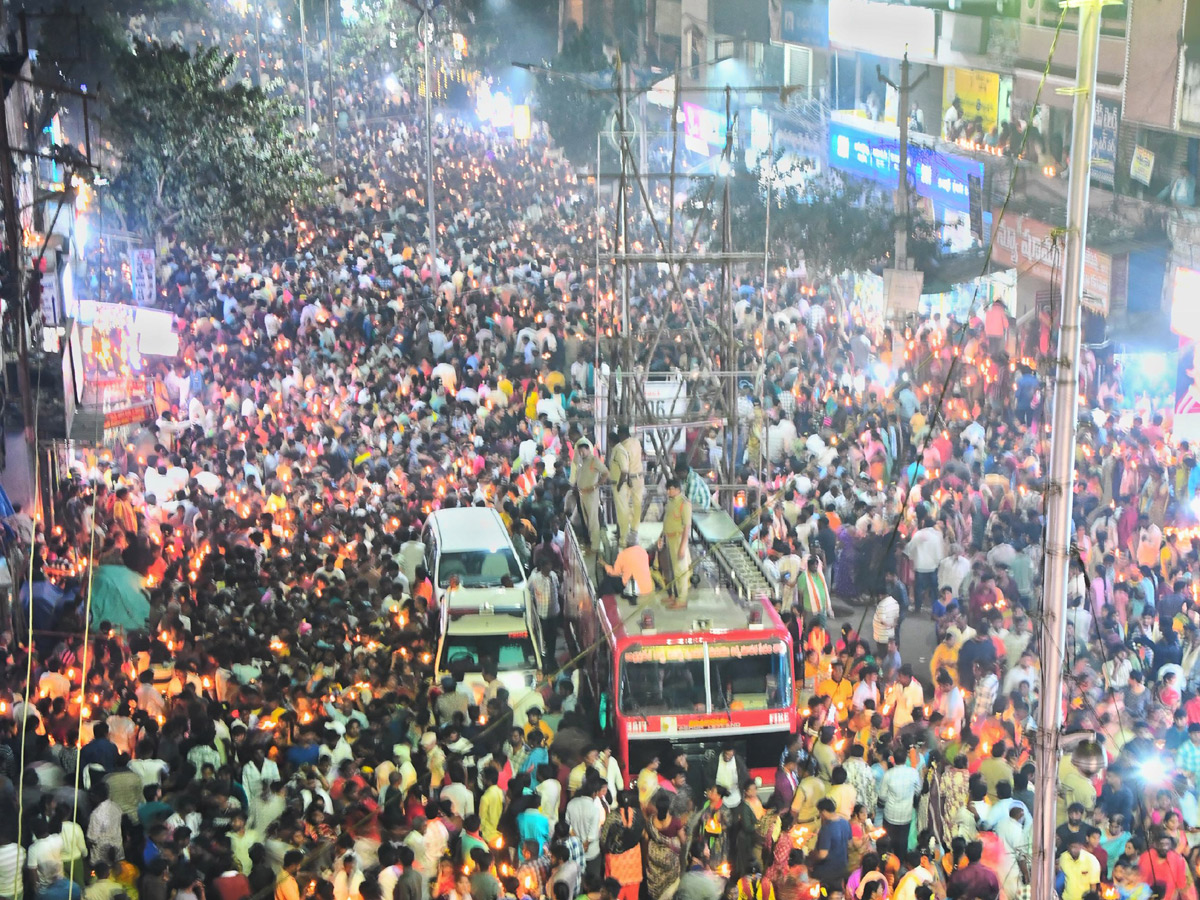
952	572
926	549
727	778
887	614
550	791
12	863
585	815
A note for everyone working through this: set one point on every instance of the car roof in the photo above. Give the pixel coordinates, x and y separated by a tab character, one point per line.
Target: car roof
469	528
486	624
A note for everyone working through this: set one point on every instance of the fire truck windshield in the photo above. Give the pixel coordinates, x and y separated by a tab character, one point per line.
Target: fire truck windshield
686	678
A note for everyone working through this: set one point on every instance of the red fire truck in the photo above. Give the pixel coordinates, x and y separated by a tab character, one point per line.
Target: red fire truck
661	680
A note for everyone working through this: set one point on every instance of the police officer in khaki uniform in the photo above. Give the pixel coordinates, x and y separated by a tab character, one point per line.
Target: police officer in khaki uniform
677	530
587	474
629	489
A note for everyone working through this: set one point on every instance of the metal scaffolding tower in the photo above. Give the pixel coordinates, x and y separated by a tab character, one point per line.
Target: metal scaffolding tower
708	334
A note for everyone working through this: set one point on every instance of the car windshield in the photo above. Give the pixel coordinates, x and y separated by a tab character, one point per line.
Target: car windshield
468	652
479	568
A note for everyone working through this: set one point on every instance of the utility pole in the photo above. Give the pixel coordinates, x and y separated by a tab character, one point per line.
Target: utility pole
426	26
729	351
903	90
627	378
1052	630
329	85
763	448
304	65
258	71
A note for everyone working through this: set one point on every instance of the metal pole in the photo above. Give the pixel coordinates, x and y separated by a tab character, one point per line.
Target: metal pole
430	197
903	90
258	74
304	66
729	351
1052	631
902	190
601	429
762	444
329	84
626	380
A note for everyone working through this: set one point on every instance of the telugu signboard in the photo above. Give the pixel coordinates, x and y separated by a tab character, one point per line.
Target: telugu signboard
942	177
804	22
1030	246
1104	141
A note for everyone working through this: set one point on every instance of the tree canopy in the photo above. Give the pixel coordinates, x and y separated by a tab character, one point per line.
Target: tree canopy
836	224
197	152
570	110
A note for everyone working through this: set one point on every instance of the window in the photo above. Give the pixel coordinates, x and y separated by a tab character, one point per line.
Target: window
662	688
740	675
468	651
479	568
761	681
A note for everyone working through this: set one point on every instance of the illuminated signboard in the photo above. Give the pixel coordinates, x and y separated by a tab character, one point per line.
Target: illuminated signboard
943	178
664	653
703	129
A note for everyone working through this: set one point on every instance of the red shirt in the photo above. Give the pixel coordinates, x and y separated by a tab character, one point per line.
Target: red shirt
232	886
1193	710
1171	872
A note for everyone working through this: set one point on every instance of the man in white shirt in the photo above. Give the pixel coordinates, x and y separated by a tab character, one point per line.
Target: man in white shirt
926	548
585	814
883	624
1026	672
953	571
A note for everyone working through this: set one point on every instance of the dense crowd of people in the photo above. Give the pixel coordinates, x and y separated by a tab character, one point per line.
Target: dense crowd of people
248	708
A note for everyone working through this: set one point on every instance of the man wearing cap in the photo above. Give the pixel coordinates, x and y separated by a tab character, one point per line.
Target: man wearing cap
626	469
587	474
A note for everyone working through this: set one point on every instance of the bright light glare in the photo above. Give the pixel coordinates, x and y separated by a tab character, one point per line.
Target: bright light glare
493	107
724	168
882	372
1154	771
1154	365
391	84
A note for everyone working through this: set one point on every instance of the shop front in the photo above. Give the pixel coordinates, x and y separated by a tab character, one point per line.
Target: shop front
1036	252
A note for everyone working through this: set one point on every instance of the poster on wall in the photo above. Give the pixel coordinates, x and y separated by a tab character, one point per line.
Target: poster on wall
1104	141
143	276
1141	167
978	91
